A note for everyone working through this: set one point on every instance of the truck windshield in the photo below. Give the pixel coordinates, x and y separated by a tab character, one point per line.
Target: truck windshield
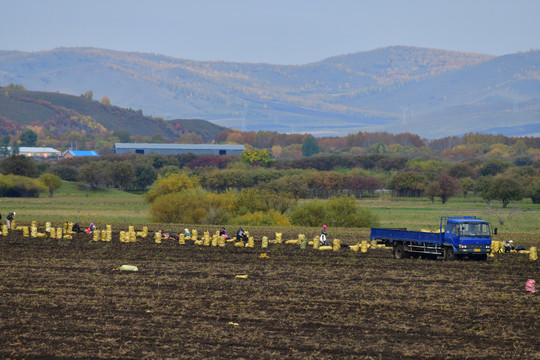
475	229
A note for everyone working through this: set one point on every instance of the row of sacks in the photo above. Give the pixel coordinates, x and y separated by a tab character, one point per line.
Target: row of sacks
218	240
361	246
32	231
499	247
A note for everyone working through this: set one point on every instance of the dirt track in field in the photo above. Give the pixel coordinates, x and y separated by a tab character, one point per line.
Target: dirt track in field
65	299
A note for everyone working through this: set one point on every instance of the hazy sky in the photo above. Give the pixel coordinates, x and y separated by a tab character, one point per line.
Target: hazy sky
273	31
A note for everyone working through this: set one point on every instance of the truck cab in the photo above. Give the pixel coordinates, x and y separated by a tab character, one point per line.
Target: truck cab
465	235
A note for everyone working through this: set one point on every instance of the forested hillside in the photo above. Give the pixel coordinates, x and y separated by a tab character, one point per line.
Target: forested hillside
55	116
433	93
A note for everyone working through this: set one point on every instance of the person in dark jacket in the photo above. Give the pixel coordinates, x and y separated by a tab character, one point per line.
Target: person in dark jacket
241	235
223	232
9	219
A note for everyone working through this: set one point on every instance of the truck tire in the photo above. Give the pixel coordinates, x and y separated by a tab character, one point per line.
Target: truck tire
449	253
400	253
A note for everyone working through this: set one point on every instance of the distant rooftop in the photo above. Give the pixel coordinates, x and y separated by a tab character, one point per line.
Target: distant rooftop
80	153
32	149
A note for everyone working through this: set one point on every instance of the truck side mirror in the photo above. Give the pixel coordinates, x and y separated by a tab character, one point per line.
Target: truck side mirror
495	231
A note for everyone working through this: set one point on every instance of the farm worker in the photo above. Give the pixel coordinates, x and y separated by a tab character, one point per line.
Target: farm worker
509	246
223	232
9	218
77	228
323	236
187	233
241	235
91	229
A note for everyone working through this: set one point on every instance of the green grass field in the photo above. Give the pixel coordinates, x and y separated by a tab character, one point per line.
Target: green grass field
420	213
112	206
71	203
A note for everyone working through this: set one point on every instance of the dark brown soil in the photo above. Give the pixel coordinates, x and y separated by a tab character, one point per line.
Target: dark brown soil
66	299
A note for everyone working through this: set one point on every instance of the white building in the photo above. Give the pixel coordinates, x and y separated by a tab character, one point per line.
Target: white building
41	152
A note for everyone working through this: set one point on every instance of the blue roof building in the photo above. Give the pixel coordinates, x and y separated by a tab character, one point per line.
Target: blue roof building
74	153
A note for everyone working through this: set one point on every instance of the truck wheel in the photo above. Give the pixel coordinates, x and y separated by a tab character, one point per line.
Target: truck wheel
400	253
449	253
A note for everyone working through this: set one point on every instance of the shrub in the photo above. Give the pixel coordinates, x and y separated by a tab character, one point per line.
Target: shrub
309	213
19	186
191	206
337	211
179	207
263	218
252	200
19	165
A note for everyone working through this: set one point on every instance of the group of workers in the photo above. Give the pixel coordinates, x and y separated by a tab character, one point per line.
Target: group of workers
240	234
89	230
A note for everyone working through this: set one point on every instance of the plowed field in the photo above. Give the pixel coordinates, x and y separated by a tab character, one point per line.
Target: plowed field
66	299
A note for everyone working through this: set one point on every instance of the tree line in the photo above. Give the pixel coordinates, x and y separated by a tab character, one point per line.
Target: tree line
319	176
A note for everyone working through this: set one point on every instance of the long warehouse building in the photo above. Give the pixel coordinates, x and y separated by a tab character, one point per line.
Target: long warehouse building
174	149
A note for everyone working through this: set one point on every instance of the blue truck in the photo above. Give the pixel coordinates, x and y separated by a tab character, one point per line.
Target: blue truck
458	236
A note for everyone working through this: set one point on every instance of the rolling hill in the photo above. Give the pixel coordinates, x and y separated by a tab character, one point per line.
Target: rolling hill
433	93
60	113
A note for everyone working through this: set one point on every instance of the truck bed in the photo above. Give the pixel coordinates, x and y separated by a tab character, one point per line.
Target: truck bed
405	235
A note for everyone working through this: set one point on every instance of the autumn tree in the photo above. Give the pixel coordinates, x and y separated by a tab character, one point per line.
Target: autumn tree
505	189
408	183
95	174
444	187
294	184
256	157
105	101
460	171
431	191
51	181
172	183
466	184
493	167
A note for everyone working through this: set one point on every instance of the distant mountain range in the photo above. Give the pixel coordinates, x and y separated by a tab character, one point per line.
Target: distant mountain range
432	93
